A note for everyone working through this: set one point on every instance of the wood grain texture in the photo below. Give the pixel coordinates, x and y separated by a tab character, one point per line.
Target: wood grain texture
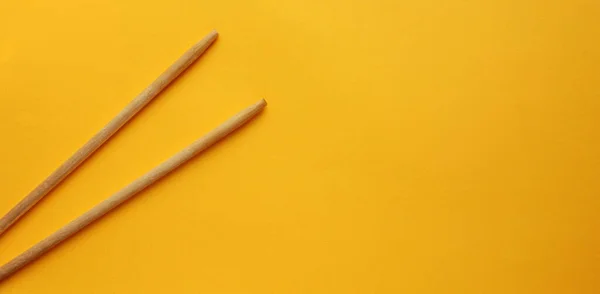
130	190
105	133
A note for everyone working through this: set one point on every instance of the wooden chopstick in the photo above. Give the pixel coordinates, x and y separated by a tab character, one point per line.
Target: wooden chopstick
105	133
130	190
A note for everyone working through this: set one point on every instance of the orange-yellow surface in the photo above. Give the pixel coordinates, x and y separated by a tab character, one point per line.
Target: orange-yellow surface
408	146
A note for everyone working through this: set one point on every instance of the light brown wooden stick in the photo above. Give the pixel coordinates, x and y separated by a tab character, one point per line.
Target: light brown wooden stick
105	133
129	191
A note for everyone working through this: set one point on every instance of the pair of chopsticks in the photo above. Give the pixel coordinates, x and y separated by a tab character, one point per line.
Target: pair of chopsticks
138	185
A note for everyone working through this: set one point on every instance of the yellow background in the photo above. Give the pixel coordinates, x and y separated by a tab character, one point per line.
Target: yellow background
419	146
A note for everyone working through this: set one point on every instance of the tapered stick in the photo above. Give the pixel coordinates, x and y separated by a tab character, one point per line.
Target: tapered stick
130	190
105	133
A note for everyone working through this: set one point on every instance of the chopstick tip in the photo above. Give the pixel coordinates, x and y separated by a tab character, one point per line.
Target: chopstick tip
262	103
209	38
